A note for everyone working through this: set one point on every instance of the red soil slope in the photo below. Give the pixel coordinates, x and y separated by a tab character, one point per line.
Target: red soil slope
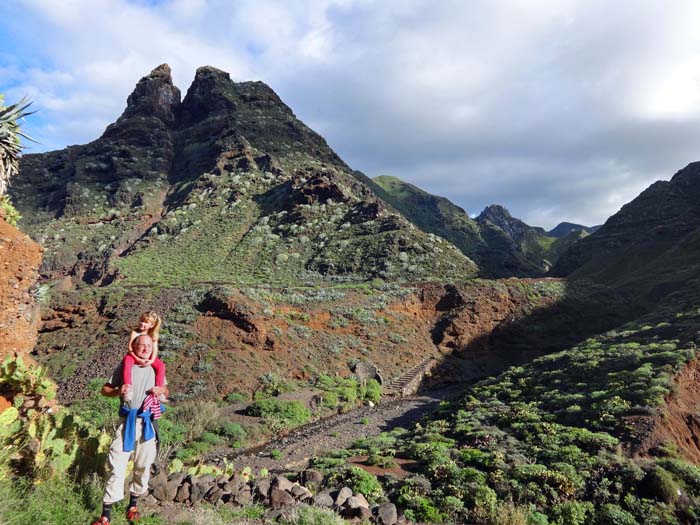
19	262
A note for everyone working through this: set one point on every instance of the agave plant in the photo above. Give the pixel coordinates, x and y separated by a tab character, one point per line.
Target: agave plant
10	146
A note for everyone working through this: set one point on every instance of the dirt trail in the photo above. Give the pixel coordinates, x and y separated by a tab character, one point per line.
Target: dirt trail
340	431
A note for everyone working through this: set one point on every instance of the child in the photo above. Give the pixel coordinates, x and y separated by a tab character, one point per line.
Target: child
149	324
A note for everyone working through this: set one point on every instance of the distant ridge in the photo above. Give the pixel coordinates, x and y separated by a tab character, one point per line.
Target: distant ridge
651	247
501	245
565	228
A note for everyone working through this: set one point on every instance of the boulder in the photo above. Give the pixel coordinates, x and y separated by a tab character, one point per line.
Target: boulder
386	514
342	496
282	483
183	493
157	481
244	496
168	490
312	478
262	488
323	499
280	498
300	493
357	500
364	371
198	490
214	494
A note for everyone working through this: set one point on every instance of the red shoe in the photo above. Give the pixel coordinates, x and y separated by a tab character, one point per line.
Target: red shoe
101	521
132	514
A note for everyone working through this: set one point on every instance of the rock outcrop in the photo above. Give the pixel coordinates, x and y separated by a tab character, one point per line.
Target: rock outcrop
19	263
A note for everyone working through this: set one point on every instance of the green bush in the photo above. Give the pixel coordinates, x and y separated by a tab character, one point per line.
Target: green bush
234	432
571	513
290	413
211	438
9	211
659	484
362	481
373	391
311	516
237	397
611	514
537	518
330	399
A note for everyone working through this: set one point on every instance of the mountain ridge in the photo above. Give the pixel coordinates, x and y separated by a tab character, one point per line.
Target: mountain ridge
225	185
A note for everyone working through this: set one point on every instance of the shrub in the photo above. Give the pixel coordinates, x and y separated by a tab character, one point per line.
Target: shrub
304	515
483	502
362	481
289	413
659	484
373	391
330	399
234	432
211	438
571	513
9	211
537	518
611	514
236	397
195	416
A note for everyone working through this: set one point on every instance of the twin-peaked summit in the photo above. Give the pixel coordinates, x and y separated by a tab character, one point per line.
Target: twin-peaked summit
223	185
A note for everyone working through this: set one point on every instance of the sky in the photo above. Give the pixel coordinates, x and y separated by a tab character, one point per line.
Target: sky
560	110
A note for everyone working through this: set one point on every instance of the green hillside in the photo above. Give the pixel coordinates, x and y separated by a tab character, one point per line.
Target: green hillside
650	247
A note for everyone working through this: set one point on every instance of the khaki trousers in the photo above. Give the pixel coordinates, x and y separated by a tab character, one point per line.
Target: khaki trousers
144	456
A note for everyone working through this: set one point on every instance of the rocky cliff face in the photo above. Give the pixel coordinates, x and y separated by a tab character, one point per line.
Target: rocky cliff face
226	185
18	274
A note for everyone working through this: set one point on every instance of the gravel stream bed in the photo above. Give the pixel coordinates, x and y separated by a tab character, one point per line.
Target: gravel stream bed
340	431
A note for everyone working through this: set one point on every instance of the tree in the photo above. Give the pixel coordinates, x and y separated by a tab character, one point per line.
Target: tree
10	146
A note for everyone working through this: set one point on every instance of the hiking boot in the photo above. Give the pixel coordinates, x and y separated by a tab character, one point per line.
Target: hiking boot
101	521
132	514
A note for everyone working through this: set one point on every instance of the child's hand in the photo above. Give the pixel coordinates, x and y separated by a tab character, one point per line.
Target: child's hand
138	360
158	390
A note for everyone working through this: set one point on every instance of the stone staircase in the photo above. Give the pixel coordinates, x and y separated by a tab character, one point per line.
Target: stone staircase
407	384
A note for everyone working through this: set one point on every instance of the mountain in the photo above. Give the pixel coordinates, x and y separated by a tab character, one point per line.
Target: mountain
495	252
565	228
226	185
518	240
441	217
651	246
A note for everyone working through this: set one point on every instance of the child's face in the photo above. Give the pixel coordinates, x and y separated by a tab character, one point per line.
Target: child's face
145	325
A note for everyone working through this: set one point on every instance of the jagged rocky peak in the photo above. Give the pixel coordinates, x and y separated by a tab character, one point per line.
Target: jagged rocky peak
213	94
494	213
154	95
209	94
